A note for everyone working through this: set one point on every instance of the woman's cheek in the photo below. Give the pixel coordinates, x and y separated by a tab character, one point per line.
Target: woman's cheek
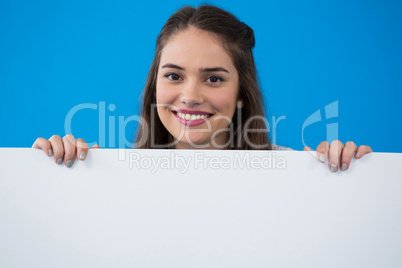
224	101
164	95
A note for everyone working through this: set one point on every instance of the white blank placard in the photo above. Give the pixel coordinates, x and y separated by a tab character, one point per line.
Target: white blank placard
144	208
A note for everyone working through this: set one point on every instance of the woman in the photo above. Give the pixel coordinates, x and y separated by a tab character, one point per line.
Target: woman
202	93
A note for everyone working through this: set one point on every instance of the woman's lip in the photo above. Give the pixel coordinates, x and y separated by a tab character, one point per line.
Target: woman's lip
191	112
190	123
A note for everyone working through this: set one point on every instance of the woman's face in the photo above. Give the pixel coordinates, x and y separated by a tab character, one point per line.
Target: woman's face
196	90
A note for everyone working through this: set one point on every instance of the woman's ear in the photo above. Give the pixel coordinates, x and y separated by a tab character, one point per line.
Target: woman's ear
239	104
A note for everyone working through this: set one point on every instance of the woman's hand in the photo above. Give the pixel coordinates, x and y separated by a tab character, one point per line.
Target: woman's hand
63	149
338	154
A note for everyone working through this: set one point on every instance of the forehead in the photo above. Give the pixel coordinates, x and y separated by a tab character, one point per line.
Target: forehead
195	48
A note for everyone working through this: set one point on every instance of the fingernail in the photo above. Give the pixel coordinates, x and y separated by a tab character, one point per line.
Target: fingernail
59	161
69	163
82	155
358	155
344	167
334	168
322	158
50	152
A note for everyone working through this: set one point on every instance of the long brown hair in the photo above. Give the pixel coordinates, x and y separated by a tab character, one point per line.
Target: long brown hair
238	40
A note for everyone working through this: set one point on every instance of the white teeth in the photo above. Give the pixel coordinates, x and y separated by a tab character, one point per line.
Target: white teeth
192	117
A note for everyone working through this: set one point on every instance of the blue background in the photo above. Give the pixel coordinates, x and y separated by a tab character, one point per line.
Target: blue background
55	55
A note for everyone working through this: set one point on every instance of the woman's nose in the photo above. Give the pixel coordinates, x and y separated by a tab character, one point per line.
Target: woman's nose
191	94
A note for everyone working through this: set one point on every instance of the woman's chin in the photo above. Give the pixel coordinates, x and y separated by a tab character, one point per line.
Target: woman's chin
197	142
192	144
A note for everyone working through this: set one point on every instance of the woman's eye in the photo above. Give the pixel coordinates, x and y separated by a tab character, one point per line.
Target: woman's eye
174	77
214	79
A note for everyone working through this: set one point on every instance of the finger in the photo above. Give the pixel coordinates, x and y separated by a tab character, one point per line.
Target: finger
335	151
69	150
96	146
322	151
362	150
58	148
82	149
347	154
43	144
307	149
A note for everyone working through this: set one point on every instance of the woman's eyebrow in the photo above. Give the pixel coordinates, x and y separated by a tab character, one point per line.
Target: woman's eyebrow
216	69
204	70
174	66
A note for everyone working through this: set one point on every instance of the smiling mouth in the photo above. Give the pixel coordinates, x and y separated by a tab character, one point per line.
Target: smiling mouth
192	118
